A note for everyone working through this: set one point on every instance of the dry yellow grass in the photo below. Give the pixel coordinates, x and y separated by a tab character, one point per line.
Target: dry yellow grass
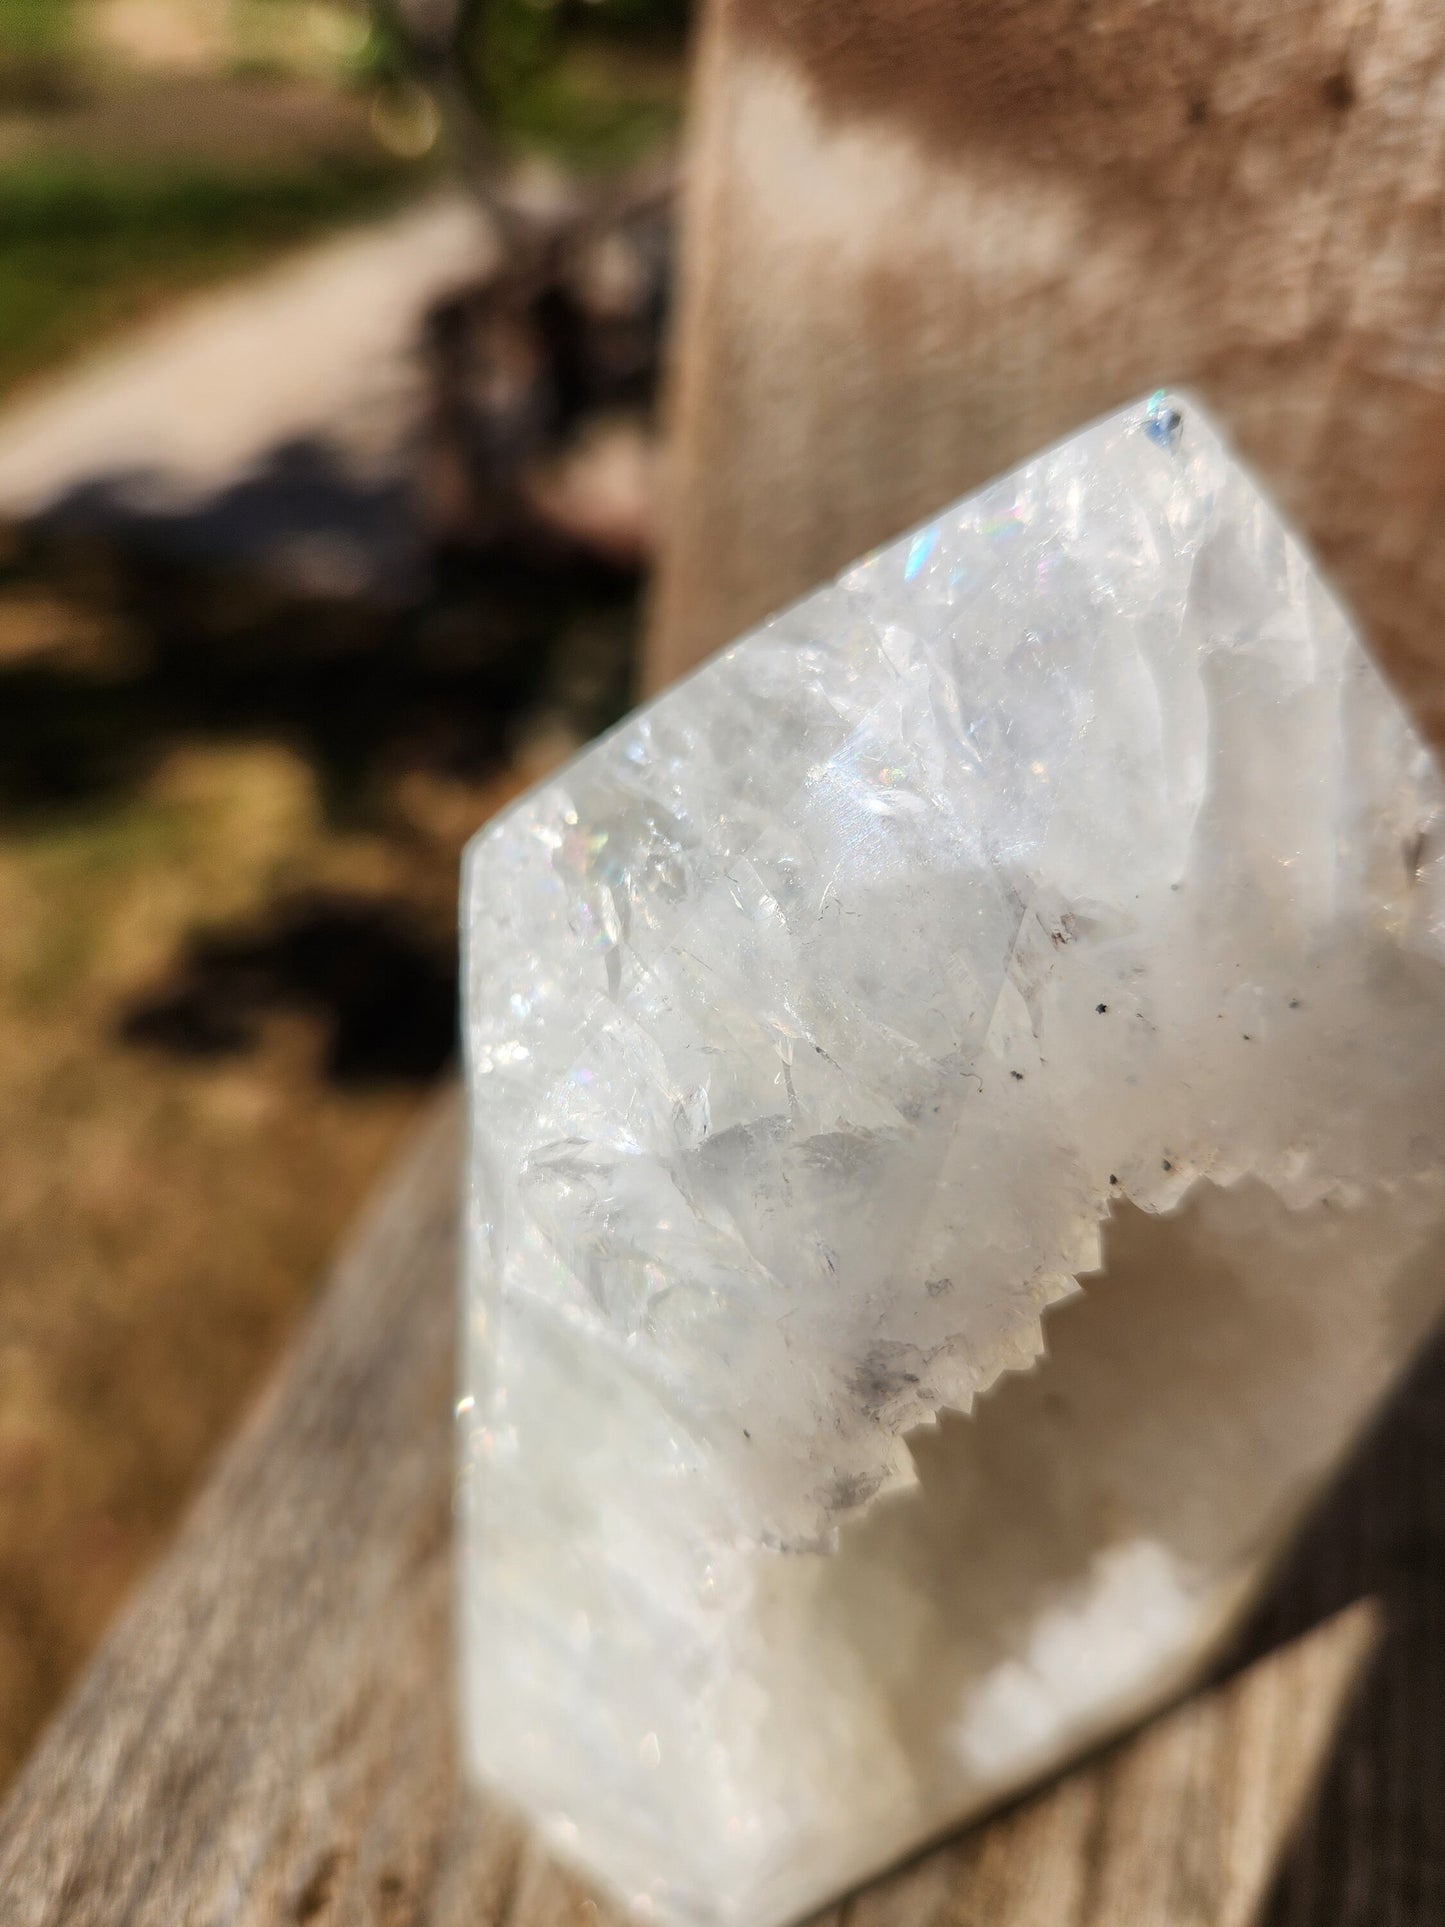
162	1218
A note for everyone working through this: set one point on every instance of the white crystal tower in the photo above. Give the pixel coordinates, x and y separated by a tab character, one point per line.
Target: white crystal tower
1055	897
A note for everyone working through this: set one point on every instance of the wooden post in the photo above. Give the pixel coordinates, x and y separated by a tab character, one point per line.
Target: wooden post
926	237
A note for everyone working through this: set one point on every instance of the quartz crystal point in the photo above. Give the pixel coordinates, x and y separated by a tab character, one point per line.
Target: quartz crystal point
1048	913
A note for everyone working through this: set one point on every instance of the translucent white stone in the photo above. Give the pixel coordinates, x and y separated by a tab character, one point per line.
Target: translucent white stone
1055	896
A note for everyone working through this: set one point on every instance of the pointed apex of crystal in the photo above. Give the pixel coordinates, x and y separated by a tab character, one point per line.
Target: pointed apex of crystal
1064	860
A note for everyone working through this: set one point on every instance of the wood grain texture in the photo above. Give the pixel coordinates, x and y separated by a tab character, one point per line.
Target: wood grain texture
267	1739
924	238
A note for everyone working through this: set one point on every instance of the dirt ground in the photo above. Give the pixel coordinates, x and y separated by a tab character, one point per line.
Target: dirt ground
162	1217
227	937
231	812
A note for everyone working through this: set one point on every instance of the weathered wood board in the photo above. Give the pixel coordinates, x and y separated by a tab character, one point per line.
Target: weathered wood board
924	238
267	1737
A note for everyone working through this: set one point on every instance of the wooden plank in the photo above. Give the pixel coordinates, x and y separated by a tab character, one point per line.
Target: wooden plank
269	1722
922	240
267	1737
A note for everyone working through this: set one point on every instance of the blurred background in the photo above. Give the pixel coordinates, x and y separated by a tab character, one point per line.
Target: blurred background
328	345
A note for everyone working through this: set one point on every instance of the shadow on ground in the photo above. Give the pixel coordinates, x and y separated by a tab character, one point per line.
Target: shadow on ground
433	673
384	993
302	606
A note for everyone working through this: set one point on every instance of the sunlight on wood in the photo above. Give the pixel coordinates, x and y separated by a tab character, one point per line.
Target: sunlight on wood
1183	1825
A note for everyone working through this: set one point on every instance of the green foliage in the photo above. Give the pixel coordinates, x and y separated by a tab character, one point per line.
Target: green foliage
564	75
381	58
30	29
36	43
85	245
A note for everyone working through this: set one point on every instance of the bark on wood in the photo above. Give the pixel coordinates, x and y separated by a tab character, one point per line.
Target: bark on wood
926	237
267	1739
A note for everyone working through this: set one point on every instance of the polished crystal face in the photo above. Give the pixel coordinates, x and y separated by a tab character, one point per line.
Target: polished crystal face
1064	864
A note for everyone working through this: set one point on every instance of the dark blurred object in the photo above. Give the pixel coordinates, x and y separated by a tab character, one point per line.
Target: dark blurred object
568	332
427	36
509	72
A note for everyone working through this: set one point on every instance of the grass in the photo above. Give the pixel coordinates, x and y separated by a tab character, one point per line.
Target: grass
166	1213
163	1223
37	48
163	1218
211	980
596	84
595	109
31	29
87	245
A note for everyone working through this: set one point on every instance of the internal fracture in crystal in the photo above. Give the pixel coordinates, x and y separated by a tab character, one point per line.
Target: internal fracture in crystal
1048	913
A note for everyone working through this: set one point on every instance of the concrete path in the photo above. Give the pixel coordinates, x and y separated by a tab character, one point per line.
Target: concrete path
315	351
